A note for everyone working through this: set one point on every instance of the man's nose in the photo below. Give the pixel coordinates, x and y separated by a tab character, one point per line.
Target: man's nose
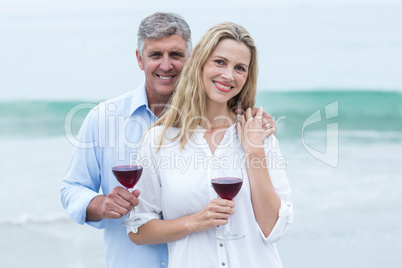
166	64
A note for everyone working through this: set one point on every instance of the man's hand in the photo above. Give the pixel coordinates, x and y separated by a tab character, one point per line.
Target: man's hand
115	205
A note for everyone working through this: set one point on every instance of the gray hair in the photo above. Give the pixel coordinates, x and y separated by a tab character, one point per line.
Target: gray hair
160	25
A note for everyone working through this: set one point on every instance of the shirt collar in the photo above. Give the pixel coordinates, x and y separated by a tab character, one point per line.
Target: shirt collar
231	133
139	98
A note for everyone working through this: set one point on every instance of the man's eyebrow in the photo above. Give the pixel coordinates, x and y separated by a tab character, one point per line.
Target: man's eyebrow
177	52
154	52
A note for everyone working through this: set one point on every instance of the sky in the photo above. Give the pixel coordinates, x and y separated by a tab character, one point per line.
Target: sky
70	49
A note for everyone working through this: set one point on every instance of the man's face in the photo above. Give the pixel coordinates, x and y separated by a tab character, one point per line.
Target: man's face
162	61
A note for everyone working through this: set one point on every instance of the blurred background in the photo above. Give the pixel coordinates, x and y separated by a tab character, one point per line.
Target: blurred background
330	74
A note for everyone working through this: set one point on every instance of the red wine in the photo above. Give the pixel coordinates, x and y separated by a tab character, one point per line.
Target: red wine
227	187
128	175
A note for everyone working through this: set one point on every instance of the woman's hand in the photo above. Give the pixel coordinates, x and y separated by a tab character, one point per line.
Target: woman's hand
267	120
155	231
253	130
216	213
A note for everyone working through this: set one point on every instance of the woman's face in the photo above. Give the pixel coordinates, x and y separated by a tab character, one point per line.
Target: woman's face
225	71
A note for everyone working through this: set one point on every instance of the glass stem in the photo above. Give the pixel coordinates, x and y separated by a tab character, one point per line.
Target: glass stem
132	211
131	214
230	224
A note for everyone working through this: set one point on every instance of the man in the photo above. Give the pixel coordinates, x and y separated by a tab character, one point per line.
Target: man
113	130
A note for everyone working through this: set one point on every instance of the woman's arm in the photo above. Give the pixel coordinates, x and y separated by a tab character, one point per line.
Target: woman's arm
265	201
162	231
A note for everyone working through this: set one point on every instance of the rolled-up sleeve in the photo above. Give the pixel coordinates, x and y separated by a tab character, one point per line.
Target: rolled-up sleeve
82	181
150	185
283	223
277	171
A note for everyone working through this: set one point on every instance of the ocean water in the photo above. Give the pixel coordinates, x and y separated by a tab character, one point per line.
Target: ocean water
343	152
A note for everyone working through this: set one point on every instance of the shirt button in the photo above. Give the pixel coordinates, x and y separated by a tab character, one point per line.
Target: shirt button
223	264
221	245
163	263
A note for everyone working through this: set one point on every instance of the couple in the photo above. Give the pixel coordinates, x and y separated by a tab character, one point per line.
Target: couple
220	74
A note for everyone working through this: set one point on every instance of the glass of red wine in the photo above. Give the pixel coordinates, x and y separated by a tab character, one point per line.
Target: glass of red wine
227	188
128	175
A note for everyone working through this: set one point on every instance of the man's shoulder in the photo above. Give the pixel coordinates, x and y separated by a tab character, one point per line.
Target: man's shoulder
116	106
119	101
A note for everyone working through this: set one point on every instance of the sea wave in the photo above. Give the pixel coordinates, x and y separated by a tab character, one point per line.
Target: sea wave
27	218
356	110
351	110
39	118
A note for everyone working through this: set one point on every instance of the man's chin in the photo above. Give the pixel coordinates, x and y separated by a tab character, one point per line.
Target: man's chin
166	91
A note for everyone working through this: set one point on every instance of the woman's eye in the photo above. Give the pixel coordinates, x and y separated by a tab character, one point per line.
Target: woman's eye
239	68
220	62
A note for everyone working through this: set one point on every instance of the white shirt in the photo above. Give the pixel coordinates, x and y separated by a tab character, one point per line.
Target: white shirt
177	182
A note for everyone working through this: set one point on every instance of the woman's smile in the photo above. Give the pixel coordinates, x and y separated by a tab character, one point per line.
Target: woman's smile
222	86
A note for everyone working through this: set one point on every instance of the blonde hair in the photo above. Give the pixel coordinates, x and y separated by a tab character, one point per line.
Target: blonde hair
186	109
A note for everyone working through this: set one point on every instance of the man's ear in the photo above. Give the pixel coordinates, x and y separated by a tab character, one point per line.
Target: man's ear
139	59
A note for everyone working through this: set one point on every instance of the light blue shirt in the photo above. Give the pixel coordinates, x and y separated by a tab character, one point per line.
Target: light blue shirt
114	127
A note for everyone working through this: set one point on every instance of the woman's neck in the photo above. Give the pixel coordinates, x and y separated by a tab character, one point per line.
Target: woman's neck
219	116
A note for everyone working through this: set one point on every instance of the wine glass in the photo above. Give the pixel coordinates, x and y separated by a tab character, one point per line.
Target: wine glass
128	174
227	188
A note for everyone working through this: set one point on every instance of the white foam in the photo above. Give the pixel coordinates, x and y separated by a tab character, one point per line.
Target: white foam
27	218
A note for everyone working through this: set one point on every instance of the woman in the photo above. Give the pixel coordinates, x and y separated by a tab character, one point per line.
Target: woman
199	129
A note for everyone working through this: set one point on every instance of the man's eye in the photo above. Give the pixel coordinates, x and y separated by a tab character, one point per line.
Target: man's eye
177	55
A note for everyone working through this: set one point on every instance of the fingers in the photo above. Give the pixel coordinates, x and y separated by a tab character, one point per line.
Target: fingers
216	213
136	193
219	209
264	114
256	113
269	131
248	114
238	127
128	197
265	123
259	113
222	207
118	203
269	126
223	202
268	123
